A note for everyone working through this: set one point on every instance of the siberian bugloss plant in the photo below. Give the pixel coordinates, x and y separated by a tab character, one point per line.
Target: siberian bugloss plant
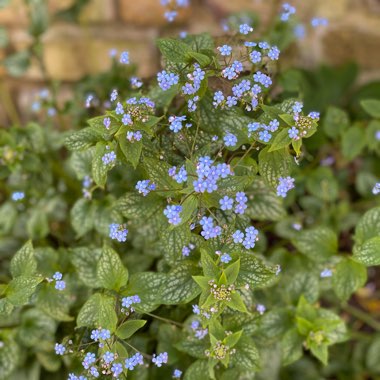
207	238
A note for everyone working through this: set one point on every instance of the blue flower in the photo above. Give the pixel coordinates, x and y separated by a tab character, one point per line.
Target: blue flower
160	359
118	232
107	122
225	258
60	285
18	195
94	372
231	101
124	58
225	50
114	95
326	273
319	21
57	276
132	362
314	115
108	357
167	80
88	360
109	158
260	308
376	189
170	15
116	369
127	119
238	236
145	187
285	184
297	107
288	10
181	176
293	132
127	302
265	136
59	349
218	98
104	334
177	374
274	53
226	203
209	231
230	139
175	123
263	79
245	29
255	56
172	213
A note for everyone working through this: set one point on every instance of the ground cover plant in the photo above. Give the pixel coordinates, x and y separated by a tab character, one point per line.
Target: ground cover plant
211	222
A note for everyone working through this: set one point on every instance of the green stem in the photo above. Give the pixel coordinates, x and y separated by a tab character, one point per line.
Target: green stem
164	319
362	316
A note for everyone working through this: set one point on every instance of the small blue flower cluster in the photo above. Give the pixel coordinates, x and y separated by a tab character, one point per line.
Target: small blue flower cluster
173	5
124	58
107	122
187	249
264	134
88	360
245	29
248	239
134	136
209	230
233	71
293	133
99	335
160	359
195	80
273	52
226	203
318	21
18	196
172	213
376	189
177	374
167	80
127	302
287	11
176	123
118	232
179	177
262	78
59	283
136	82
326	273
285	184
209	174
225	258
134	361
109	158
195	326
145	187
260	308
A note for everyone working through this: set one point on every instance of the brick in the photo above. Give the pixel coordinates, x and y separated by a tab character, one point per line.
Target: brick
71	52
98	11
148	13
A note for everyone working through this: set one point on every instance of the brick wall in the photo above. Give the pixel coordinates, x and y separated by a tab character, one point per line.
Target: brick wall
73	50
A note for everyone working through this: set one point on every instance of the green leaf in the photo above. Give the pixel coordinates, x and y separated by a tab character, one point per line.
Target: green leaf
23	262
318	244
210	269
84	138
264	205
273	165
128	328
173	240
372	107
157	172
348	277
320	351
17	63
237	303
85	262
322	184
21	288
231	340
53	303
202	59
111	272
179	286
189	206
197	370
335	122
368	226
254	272
99	169
280	141
147	285
369	252
98	311
232	272
10	354
173	50
291	345
194	347
247	355
372	359
353	142
82	216
131	150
